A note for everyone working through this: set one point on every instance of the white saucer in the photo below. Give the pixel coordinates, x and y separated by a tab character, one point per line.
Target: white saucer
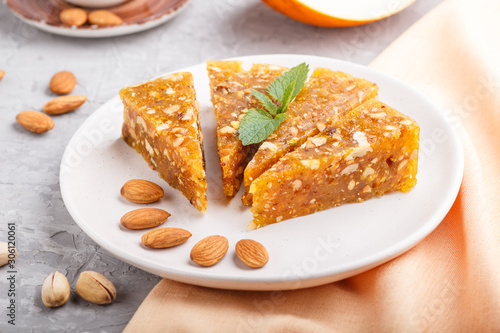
137	15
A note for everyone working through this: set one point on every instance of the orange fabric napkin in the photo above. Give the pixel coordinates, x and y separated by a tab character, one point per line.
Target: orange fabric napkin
450	282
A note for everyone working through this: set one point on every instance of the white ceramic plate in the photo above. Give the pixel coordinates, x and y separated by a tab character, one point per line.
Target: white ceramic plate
137	15
304	252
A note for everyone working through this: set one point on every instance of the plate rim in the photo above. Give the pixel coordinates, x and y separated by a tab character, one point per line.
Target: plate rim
347	269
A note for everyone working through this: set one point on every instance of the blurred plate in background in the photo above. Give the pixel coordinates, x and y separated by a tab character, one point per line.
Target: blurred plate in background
137	15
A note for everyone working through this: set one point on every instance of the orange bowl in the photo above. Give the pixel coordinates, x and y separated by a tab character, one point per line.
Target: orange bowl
338	13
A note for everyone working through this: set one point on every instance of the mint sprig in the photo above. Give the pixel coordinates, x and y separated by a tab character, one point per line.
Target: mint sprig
257	124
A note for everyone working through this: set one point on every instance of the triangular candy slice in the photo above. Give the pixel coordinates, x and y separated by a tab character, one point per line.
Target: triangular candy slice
230	88
326	96
161	121
373	150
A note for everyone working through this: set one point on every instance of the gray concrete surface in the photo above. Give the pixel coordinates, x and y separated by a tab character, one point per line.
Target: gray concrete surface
46	236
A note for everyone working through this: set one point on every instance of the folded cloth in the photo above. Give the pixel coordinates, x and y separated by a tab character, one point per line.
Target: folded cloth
449	282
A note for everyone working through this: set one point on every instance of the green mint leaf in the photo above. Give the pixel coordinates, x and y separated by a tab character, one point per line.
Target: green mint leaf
266	101
287	97
280	118
301	78
256	125
278	87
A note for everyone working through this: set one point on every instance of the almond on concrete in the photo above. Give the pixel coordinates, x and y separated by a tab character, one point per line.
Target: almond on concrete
2	73
73	16
35	121
95	287
63	104
252	253
62	83
104	17
165	237
144	218
210	250
141	191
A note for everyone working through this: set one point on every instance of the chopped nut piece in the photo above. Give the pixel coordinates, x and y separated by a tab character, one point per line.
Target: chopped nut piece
318	141
227	130
161	127
377	115
414	154
368	171
349	169
402	164
296	184
188	115
178	142
360	137
359	152
367	189
171	109
235	124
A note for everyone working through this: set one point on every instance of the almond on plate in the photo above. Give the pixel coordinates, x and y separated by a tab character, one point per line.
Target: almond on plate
73	16
165	237
252	253
210	250
144	218
62	83
104	17
141	191
63	104
35	121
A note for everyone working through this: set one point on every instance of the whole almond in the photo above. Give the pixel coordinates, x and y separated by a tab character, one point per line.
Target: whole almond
55	290
62	83
35	121
144	218
95	287
2	73
210	250
104	17
252	253
141	191
73	16
64	104
165	237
